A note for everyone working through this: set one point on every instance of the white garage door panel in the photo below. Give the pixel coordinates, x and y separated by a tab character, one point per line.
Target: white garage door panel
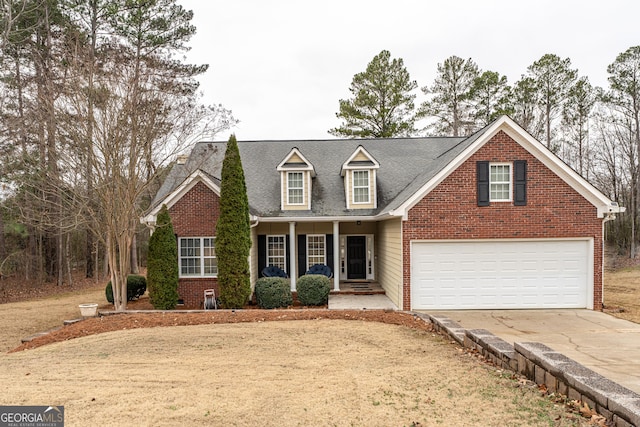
500	274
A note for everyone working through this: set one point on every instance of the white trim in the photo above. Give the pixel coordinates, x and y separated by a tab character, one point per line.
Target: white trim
284	255
510	198
336	256
173	197
289	202
370	256
359	150
353	187
537	149
324	246
293	250
297	152
201	257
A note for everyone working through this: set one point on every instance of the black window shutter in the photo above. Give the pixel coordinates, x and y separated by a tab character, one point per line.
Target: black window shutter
520	181
482	169
329	251
287	253
262	253
302	254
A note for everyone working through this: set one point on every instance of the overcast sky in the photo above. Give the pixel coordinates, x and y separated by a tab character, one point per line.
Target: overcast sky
282	65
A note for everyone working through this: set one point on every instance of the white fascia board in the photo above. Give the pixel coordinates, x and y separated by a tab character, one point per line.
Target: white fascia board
358	150
281	166
319	218
537	149
603	204
173	197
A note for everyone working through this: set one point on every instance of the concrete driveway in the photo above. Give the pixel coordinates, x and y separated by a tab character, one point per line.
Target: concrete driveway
606	344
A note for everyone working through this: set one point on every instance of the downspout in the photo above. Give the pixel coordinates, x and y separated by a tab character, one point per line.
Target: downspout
607	217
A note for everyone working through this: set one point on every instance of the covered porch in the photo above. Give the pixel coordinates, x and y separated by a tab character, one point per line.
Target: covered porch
364	255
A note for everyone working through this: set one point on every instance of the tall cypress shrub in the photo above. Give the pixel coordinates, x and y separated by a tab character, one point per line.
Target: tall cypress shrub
233	233
162	265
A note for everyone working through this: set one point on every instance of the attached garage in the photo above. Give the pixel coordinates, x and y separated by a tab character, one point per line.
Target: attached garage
501	274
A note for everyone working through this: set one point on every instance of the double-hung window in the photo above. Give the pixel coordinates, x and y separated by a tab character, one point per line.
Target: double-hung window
316	249
295	188
361	187
276	251
500	182
197	257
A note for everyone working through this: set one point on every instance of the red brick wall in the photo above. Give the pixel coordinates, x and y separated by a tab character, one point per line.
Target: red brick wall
196	215
553	210
191	291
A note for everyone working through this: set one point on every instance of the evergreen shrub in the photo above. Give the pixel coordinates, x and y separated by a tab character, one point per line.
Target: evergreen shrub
273	292
313	289
136	287
162	264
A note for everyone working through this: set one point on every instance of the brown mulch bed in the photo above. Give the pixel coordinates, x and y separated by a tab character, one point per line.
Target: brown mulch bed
124	321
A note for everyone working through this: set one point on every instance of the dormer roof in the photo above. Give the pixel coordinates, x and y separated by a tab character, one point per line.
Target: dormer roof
294	160
360	159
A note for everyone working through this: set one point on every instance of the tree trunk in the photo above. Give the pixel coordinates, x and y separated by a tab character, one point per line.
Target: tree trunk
135	268
67	251
3	249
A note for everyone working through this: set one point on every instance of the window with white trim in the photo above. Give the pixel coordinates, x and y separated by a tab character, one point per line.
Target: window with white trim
276	252
316	249
500	182
361	187
197	257
295	188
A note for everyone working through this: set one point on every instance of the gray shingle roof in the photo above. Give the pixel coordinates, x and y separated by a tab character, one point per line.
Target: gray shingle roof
406	164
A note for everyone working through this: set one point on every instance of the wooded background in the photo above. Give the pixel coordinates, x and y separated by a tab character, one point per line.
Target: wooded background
96	101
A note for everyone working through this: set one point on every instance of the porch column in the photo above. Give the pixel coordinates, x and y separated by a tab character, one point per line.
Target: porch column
336	256
292	255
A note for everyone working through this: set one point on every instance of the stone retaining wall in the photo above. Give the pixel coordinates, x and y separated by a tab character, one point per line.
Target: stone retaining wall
557	372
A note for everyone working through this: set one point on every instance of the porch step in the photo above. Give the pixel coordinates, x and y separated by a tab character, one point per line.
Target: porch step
361	288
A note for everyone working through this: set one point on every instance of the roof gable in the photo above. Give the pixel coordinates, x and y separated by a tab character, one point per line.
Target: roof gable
360	159
174	196
295	161
523	138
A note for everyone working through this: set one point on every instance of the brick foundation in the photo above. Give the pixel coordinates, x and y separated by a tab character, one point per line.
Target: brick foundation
191	291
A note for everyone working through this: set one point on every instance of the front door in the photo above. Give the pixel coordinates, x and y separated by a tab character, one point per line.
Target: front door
356	257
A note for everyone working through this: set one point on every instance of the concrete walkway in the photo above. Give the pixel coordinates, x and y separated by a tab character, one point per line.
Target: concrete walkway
606	344
360	302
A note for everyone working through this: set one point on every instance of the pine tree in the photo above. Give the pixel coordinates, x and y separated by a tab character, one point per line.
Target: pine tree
450	103
162	265
553	77
233	234
382	104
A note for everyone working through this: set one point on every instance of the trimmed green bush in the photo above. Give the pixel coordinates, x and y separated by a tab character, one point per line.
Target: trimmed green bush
136	287
162	264
273	292
233	231
313	289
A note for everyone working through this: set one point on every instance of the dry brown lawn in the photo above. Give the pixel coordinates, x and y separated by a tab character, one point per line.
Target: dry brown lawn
22	319
622	293
293	373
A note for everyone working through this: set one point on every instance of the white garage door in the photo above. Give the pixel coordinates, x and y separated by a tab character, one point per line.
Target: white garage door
501	274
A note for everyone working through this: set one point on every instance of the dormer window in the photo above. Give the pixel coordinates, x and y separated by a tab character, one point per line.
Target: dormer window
296	174
359	172
295	188
361	187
